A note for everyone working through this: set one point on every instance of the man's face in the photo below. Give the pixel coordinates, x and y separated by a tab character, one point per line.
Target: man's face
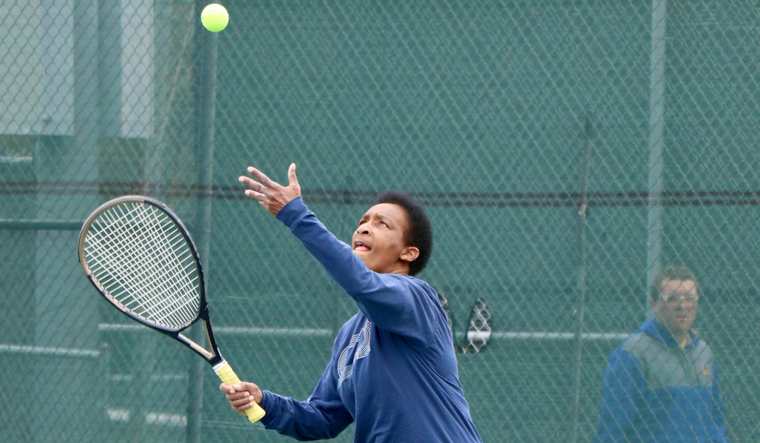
379	239
677	306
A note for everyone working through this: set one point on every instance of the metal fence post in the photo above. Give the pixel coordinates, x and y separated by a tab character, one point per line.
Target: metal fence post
656	141
581	278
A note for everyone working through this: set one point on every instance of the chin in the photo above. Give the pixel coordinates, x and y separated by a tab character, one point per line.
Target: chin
361	255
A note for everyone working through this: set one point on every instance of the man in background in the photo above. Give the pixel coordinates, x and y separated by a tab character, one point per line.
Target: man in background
661	384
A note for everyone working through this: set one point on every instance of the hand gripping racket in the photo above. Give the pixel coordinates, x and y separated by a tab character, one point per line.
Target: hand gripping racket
141	258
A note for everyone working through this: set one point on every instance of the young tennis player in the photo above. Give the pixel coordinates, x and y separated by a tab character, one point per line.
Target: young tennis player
393	371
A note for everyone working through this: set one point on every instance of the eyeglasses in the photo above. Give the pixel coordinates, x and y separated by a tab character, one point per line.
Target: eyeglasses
675	300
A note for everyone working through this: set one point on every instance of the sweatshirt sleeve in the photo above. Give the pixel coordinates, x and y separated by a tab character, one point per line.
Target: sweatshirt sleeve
321	416
624	385
395	303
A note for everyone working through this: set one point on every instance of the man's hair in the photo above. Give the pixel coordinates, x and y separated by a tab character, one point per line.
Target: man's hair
419	233
670	272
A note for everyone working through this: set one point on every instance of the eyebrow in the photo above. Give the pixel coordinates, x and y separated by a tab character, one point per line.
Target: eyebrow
380	216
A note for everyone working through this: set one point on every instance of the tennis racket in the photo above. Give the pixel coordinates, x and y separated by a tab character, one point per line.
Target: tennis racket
140	257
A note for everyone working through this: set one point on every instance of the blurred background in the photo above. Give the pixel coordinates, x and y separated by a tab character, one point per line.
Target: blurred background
565	151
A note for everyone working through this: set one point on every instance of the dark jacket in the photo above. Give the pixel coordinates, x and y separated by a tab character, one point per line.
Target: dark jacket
393	370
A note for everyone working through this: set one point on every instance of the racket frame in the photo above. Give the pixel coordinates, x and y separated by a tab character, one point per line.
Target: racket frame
213	356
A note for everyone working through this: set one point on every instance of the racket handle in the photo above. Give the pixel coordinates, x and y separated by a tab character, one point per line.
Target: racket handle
225	372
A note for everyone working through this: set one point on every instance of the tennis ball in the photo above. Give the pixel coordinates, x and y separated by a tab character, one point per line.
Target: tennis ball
214	17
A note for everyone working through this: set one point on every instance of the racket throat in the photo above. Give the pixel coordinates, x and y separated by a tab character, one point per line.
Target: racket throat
210	356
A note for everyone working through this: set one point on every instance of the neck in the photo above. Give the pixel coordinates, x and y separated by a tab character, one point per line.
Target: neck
680	336
399	268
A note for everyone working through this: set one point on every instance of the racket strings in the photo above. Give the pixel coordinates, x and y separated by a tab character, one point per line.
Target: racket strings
114	233
118	236
142	259
132	292
168	279
175	280
143	244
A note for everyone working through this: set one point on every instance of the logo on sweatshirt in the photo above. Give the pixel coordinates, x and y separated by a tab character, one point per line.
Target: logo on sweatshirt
359	345
704	370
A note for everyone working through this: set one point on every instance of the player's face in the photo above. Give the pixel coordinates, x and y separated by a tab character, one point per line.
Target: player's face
677	306
379	239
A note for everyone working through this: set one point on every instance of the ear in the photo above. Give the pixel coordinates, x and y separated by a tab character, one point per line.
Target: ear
410	254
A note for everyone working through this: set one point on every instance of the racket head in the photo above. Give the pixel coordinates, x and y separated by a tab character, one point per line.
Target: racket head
139	255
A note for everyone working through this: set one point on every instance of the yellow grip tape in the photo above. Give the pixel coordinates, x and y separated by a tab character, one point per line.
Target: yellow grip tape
225	372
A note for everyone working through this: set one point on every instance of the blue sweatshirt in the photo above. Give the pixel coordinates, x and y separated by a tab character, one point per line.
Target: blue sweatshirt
393	370
654	391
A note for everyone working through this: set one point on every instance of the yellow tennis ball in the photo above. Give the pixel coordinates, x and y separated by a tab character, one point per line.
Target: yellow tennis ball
214	17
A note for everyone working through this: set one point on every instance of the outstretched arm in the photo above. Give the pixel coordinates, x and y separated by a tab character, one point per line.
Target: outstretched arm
395	303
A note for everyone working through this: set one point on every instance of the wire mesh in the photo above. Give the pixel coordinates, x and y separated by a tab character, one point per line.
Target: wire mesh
565	152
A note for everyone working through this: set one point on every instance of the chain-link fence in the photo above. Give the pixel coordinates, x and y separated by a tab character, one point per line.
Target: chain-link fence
566	151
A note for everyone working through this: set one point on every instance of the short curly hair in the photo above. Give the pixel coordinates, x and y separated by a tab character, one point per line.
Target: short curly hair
419	233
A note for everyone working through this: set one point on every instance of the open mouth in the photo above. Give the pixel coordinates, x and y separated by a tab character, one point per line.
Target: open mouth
361	246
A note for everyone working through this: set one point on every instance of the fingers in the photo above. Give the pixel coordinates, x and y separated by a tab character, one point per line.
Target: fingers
262	177
266	182
241	396
257	191
234	392
242	403
257	195
226	389
254	185
271	195
292	179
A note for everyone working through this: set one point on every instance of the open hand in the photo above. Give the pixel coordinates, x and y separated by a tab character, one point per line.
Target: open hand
269	193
